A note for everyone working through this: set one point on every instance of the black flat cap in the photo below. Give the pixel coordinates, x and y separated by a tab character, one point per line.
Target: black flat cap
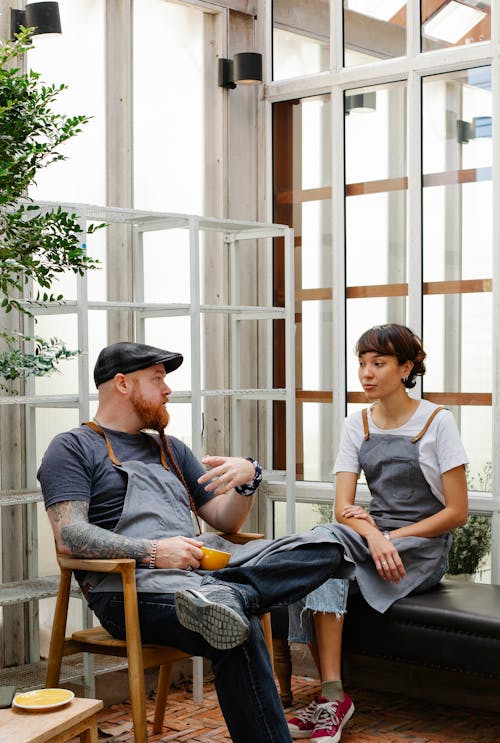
123	358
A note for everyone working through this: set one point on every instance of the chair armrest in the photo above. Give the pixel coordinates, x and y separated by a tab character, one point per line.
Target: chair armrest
97	565
241	537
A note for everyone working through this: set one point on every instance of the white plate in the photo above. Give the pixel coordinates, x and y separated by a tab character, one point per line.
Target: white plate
43	699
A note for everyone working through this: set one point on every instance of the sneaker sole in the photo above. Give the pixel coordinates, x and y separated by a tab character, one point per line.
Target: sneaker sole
302	734
336	738
219	625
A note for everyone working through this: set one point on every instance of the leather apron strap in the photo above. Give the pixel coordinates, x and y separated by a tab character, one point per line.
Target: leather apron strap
163	459
364	415
427	424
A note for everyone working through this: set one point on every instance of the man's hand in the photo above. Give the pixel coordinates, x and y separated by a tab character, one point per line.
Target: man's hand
226	473
178	552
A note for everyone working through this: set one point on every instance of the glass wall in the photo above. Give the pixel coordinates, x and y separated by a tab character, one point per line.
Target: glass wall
168	167
407	205
375	212
303	199
457	251
168	107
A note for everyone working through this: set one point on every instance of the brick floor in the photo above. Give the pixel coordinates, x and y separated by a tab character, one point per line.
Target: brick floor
378	718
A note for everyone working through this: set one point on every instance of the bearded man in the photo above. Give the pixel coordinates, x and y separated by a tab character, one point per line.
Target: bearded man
114	489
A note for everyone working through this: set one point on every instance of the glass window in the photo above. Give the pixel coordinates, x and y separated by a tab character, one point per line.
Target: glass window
457	254
168	108
452	23
307	516
301	41
81	176
303	200
373	30
376	192
457	162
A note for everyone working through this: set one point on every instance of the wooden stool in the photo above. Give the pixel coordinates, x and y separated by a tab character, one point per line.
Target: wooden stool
51	726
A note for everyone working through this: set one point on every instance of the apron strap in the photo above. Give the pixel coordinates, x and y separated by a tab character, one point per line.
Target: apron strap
427	424
163	458
364	415
97	428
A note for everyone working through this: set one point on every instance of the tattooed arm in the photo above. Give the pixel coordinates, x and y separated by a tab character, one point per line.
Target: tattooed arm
75	536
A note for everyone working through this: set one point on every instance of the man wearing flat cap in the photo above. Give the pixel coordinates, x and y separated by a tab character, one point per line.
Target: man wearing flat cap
112	488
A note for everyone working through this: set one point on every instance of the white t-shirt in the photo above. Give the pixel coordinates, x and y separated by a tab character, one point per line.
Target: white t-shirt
440	448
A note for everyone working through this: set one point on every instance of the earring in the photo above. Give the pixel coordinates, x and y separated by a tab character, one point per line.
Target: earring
404	379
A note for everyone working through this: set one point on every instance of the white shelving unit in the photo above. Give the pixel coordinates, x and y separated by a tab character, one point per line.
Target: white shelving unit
231	235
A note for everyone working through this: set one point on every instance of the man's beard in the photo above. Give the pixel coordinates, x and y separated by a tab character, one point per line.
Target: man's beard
154	417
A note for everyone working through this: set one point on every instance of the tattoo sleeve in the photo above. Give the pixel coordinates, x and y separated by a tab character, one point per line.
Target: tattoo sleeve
73	532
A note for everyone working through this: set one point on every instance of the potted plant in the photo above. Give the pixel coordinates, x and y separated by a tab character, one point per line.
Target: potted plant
471	544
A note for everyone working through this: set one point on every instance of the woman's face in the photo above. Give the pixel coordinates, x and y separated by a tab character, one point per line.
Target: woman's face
380	375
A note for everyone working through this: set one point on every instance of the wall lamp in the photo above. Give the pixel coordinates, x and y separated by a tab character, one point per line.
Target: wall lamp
360	103
245	68
42	17
480	127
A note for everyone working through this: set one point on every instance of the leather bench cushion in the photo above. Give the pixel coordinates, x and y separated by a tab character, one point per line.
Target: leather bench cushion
455	626
461	606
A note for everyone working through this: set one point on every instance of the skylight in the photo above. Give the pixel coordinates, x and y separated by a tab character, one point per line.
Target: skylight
452	22
381	9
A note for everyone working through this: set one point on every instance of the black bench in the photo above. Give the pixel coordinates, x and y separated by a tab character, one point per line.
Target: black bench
442	645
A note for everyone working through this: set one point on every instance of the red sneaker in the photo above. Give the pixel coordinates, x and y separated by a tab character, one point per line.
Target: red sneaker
302	725
330	718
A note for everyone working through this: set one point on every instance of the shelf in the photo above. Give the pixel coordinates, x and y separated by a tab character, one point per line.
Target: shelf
19	497
32	675
30	590
153	309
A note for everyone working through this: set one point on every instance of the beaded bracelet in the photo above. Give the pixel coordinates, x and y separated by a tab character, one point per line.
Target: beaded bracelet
152	558
249	488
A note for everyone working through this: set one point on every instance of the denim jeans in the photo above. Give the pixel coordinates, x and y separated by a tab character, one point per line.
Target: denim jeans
244	680
331	598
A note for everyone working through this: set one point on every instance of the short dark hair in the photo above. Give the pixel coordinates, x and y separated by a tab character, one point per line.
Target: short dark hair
395	340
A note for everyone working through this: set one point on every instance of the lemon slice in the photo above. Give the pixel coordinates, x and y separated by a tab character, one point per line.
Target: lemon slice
43	698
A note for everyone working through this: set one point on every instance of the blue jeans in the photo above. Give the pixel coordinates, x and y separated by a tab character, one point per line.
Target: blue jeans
244	679
331	598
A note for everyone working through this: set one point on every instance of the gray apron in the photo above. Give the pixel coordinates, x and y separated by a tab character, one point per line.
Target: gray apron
400	496
157	506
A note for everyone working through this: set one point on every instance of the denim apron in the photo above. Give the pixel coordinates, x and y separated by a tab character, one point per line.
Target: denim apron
400	496
157	506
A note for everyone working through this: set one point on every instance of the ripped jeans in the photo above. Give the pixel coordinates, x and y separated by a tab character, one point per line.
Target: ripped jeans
331	598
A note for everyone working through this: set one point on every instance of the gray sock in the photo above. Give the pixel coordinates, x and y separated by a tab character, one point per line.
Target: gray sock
332	690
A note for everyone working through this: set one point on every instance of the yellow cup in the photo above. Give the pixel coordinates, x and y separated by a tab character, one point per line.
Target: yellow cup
214	559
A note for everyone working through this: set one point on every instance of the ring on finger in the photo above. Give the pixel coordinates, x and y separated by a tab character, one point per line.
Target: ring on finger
384	564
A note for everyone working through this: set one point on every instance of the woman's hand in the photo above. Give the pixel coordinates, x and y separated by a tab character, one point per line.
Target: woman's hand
386	557
357	512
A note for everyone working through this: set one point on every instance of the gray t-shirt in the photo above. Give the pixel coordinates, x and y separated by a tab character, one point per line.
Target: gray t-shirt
76	466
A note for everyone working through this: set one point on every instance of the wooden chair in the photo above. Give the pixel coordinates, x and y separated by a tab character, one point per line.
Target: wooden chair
97	640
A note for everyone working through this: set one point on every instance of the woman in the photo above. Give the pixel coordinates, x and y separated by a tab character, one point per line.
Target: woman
414	464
